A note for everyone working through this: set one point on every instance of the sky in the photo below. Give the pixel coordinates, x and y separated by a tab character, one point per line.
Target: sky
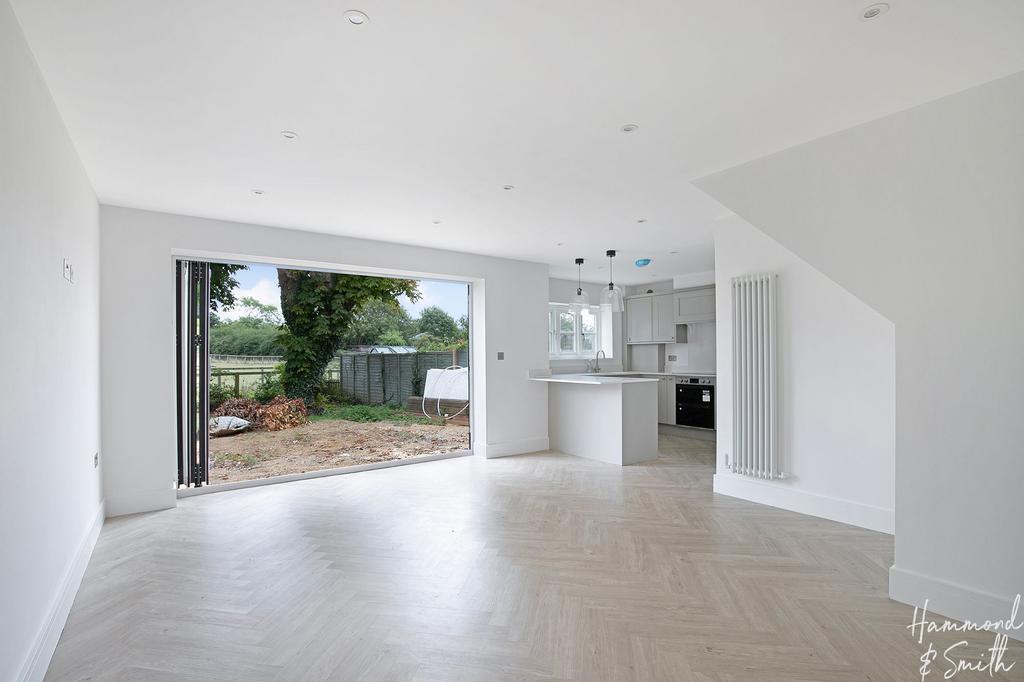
260	282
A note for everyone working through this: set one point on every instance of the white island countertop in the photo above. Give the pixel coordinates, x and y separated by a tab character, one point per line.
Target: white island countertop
616	422
591	379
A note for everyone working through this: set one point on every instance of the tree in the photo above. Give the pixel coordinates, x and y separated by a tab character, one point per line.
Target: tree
246	336
379	322
391	337
262	311
437	323
318	308
223	285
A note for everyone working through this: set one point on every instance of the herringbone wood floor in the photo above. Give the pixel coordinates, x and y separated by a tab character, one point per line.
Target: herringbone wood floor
535	567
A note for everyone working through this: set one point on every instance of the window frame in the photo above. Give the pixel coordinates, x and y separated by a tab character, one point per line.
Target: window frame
555	334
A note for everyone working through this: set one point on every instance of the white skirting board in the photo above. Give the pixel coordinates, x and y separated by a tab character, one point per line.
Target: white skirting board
778	494
38	658
516	447
950	600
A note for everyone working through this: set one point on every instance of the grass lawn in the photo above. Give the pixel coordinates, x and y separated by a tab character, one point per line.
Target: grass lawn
369	413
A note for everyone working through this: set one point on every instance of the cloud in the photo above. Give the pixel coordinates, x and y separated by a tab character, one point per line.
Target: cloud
265	291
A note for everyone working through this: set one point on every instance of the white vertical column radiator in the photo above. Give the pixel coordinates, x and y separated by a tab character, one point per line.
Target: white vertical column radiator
755	385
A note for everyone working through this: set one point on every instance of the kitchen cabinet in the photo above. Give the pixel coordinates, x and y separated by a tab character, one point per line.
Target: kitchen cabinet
694	305
666	400
664	318
640	320
651	319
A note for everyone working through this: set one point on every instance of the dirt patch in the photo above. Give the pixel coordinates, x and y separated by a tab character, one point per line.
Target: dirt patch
327	445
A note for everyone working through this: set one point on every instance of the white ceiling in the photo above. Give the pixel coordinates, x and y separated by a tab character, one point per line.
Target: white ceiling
427	111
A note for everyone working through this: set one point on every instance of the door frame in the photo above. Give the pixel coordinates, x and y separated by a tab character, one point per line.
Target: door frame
477	354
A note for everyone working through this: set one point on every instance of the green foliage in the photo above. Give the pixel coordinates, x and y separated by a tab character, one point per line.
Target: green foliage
437	323
219	394
391	337
369	413
426	343
440	332
379	322
318	308
246	336
264	312
223	285
270	385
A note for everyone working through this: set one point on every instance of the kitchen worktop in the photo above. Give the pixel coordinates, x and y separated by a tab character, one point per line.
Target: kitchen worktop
616	422
657	374
593	379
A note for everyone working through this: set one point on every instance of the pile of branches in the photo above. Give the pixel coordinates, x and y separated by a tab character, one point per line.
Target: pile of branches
277	415
281	413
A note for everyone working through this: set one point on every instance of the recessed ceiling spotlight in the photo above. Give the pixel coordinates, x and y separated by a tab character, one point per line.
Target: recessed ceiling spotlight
642	262
258	192
289	134
641	220
630	128
436	222
357	18
874	11
673	252
508	187
560	244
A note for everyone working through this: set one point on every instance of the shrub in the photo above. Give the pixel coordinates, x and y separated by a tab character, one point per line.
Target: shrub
281	413
219	395
269	386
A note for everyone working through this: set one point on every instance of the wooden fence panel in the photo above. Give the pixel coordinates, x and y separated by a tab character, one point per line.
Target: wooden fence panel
373	378
384	378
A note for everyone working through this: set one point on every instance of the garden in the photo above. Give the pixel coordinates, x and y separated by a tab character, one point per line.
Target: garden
275	406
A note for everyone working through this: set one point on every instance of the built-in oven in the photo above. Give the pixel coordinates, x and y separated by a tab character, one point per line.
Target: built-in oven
695	402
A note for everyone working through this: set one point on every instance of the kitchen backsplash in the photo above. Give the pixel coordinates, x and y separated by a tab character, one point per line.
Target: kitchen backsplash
697	354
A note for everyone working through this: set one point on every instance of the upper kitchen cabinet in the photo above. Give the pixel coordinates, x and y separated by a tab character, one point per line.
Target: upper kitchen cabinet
694	305
640	320
664	318
650	318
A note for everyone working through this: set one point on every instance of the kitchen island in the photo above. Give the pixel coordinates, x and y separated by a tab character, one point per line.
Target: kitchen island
606	418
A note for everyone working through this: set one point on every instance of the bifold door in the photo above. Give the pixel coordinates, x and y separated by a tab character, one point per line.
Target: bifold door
193	328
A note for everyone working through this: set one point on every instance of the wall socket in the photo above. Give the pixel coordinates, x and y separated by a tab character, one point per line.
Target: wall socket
501	355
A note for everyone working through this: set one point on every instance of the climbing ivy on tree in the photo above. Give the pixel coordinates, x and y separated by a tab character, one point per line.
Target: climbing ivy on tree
318	308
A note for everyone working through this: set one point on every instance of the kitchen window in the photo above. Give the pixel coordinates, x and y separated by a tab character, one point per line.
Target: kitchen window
578	335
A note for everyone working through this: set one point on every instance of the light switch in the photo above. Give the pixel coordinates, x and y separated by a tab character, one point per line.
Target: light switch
501	355
67	269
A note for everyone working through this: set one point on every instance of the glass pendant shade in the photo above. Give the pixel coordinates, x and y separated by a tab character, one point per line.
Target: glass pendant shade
612	297
579	302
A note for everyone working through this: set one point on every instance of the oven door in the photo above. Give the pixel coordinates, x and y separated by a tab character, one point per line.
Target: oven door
695	406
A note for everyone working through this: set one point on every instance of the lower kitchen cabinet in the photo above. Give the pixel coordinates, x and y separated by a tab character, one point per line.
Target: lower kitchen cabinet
666	400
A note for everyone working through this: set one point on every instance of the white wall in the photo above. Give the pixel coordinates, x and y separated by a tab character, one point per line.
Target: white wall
51	503
836	369
562	291
693	279
921	215
697	354
510	413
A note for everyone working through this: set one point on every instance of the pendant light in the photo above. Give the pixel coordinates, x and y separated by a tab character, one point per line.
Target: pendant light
612	296
581	301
